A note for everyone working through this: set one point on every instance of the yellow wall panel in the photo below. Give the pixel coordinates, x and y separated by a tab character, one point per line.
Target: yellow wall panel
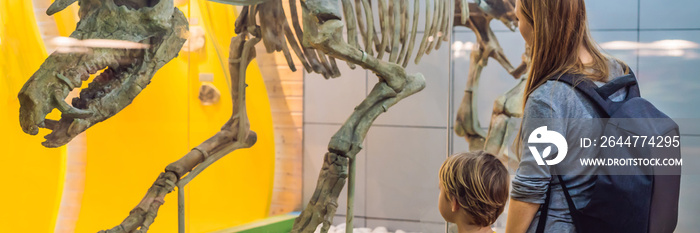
31	190
236	189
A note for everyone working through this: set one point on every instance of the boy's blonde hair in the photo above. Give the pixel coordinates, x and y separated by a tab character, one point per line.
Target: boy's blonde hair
479	182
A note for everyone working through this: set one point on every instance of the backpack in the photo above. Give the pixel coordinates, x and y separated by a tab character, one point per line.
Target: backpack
641	203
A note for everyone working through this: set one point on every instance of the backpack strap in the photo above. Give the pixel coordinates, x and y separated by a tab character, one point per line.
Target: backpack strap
616	84
599	95
629	79
588	88
544	210
570	202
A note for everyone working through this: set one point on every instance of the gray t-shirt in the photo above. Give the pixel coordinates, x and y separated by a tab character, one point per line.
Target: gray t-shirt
556	99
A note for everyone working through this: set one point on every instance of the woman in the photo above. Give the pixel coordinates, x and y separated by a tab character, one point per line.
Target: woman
557	33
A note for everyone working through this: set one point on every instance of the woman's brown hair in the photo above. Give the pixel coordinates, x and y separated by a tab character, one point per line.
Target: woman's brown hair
479	183
560	28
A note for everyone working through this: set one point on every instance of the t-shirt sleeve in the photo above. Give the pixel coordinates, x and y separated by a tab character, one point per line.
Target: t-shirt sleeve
543	108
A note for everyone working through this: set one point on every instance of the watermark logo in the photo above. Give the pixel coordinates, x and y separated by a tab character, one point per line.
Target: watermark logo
542	135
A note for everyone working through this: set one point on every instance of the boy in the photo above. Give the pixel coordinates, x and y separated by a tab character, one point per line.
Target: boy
473	191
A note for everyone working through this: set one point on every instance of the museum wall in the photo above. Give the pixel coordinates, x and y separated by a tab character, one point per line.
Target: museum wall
397	169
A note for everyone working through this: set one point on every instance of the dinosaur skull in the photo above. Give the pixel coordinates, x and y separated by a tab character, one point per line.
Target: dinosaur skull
156	24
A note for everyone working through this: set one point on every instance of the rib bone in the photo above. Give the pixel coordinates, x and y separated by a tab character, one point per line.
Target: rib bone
404	31
308	50
428	29
360	22
384	18
464	13
447	25
371	35
437	32
295	46
396	37
411	43
351	26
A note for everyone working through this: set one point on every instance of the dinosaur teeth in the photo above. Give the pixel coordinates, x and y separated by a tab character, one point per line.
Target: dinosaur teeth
113	63
88	67
84	76
98	64
91	67
102	63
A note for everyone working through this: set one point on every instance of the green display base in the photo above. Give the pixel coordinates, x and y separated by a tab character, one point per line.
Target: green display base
276	224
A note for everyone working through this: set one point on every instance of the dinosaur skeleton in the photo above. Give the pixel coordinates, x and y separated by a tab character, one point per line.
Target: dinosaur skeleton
508	106
161	26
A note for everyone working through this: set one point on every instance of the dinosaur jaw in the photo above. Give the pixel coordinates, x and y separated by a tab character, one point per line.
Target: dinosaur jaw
118	72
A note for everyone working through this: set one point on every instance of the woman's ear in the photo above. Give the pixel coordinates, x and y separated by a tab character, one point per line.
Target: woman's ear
454	204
